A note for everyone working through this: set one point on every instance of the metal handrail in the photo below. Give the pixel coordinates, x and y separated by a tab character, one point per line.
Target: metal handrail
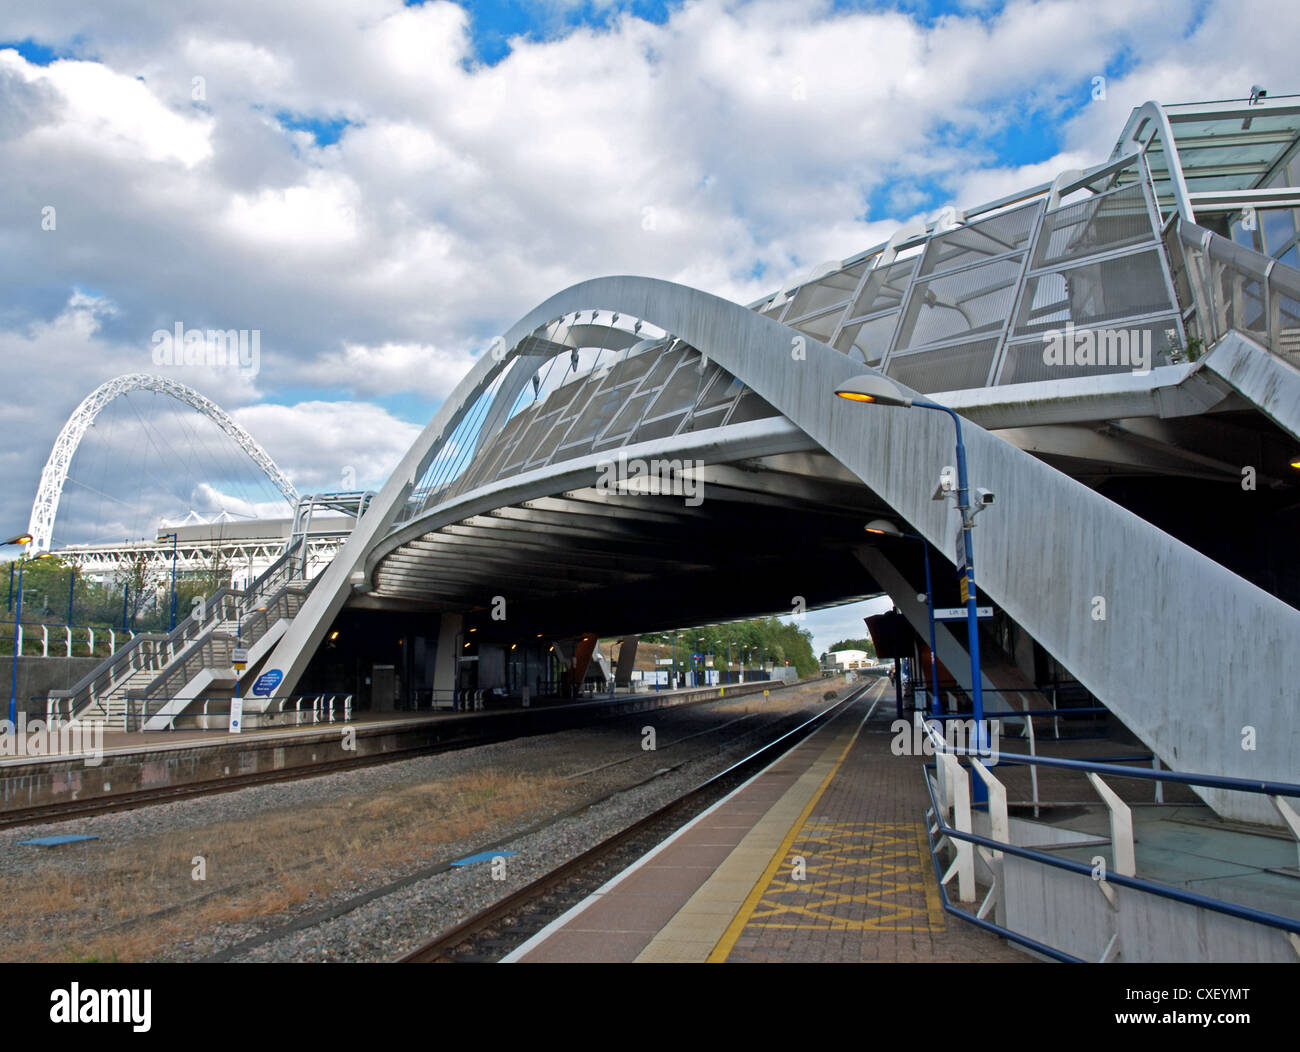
1093	768
1208	256
90	684
1190	898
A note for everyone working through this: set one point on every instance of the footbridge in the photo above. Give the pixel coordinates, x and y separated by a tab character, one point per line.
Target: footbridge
1122	343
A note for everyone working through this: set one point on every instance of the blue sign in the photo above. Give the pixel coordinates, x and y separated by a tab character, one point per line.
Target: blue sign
267	682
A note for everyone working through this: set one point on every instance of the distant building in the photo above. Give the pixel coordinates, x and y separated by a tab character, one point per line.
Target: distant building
843	660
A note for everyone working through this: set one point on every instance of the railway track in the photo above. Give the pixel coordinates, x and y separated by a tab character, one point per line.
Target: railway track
493	932
128	801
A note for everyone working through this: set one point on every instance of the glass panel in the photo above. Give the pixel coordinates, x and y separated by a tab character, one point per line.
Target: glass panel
1278	225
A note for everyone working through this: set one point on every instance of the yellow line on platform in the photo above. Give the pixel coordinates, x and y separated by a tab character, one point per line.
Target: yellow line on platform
728	941
933	904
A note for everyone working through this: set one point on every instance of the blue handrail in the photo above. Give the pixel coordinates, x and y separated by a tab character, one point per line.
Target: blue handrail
1205	781
1189	898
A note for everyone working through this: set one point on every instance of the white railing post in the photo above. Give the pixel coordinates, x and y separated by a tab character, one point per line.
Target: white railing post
963	866
90	635
1121	828
1033	767
45	641
999	830
1289	816
67	631
112	643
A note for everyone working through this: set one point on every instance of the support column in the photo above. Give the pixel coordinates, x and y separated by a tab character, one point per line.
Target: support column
447	656
626	661
950	650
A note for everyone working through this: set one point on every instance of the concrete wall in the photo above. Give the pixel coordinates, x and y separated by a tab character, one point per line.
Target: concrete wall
37	676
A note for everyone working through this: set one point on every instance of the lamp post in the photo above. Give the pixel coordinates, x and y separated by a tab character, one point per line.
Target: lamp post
171	627
22	540
875	389
885	528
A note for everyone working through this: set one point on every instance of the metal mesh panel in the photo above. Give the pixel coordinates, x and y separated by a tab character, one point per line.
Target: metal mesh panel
628	415
969	302
821	327
751	407
602	410
661	428
704	421
870	339
1178	271
723	391
681	391
955	368
969	244
1087	295
884	288
826	292
1089	352
1100	224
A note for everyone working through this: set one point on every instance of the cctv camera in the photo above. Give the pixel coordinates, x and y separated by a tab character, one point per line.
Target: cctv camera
984	497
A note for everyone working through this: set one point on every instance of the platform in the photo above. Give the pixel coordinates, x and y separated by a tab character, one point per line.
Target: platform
820	857
131	762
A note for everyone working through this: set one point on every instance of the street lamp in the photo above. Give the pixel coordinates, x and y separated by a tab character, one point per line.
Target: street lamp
885	528
879	390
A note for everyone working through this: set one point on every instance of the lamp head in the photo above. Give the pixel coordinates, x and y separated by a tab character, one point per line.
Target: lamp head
872	388
883	528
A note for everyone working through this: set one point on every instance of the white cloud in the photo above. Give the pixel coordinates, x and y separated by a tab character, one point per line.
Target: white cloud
738	137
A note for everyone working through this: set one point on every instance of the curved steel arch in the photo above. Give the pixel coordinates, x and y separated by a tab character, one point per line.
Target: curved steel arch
1142	660
55	473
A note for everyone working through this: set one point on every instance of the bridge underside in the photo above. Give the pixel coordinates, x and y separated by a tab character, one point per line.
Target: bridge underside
759	536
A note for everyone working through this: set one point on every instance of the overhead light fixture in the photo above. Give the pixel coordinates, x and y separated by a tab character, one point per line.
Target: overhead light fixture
22	538
872	387
883	528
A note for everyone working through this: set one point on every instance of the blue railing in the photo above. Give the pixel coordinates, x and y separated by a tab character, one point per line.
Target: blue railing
1098	765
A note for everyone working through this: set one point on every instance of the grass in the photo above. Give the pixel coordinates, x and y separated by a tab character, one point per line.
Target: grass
141	898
